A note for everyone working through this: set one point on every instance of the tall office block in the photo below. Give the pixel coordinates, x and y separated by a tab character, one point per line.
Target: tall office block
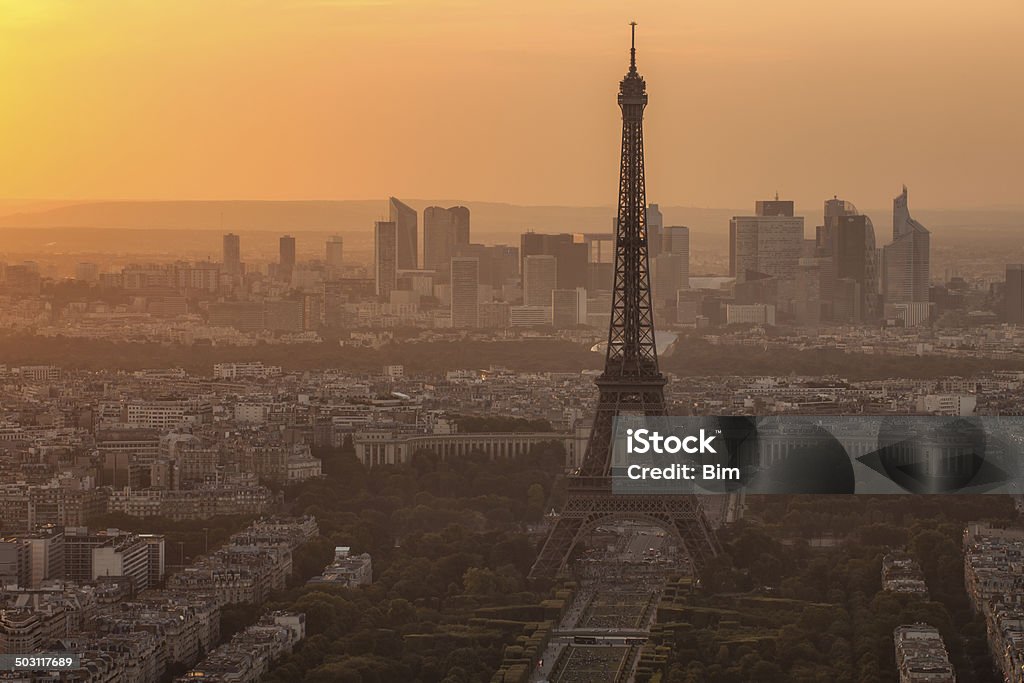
769	242
676	241
655	230
465	271
906	264
572	256
852	280
600	247
540	278
335	255
666	270
444	230
286	258
499	263
568	307
385	259
232	256
407	227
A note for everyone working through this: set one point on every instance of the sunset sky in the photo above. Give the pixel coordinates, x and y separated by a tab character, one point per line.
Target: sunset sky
511	101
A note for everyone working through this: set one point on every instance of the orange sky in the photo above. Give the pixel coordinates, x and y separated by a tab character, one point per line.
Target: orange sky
511	101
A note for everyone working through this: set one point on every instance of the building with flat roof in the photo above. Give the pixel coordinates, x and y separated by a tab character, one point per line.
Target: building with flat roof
921	655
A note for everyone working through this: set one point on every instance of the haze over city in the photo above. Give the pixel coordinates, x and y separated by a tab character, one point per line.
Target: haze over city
351	99
322	323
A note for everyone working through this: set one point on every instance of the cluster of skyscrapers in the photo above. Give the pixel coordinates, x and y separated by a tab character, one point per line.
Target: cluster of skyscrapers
776	273
561	279
839	276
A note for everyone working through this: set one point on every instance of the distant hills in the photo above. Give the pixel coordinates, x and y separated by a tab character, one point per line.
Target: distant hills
490	220
328	216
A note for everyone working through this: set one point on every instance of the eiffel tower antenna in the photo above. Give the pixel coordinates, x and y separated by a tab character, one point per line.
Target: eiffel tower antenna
631	381
632	46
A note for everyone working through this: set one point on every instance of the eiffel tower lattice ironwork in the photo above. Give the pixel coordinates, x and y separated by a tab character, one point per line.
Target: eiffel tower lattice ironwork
631	383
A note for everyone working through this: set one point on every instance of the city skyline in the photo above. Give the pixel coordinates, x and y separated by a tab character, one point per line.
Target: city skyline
324	443
202	130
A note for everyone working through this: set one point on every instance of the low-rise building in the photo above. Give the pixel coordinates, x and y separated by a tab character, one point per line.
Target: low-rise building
921	655
347	569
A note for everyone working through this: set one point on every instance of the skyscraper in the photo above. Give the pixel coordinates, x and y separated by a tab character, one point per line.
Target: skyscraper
666	269
768	242
906	263
385	259
444	230
498	262
568	307
600	248
540	278
1014	294
655	229
406	223
572	255
675	242
232	254
286	258
465	272
335	255
848	240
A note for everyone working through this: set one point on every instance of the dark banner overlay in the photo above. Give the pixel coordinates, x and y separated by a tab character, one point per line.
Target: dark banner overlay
788	454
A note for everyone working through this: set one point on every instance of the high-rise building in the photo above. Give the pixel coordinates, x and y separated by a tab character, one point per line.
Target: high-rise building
499	263
1013	293
847	239
687	306
335	255
568	307
286	258
406	224
465	272
600	259
572	256
671	268
385	258
444	230
232	254
540	278
495	314
810	295
655	229
905	262
768	242
666	272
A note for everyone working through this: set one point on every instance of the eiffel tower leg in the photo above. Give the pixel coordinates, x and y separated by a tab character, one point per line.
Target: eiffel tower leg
695	534
554	554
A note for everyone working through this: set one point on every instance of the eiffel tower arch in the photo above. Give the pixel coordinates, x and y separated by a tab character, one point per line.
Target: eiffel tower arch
631	382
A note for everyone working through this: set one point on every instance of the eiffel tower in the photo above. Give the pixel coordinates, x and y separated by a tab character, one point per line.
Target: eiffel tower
631	383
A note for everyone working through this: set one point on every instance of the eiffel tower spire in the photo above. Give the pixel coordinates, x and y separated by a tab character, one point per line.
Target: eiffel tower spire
631	381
